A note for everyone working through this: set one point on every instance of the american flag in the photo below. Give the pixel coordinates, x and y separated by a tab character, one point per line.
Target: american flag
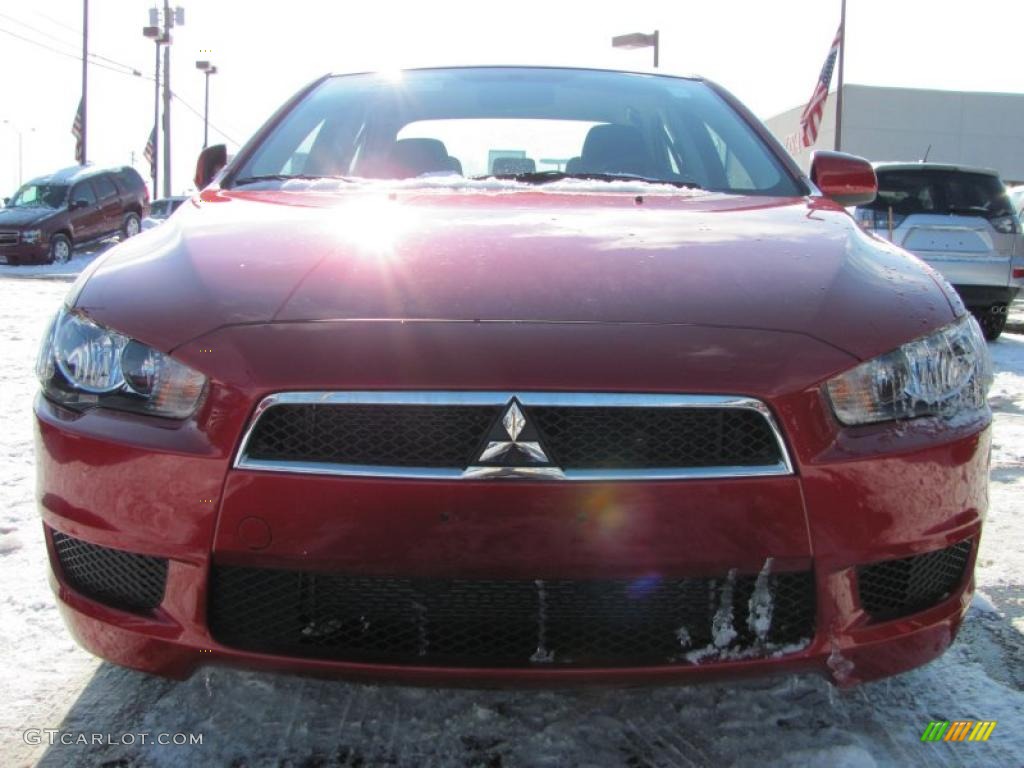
76	131
150	152
810	120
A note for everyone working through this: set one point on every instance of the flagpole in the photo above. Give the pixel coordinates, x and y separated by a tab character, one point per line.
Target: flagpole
85	74
839	89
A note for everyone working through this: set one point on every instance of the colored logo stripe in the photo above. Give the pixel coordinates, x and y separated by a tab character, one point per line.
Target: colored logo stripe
958	730
982	730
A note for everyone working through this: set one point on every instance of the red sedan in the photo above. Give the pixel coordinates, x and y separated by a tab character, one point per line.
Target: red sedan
515	375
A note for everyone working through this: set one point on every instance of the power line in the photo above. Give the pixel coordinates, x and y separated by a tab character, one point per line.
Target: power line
73	45
76	57
134	74
199	114
78	32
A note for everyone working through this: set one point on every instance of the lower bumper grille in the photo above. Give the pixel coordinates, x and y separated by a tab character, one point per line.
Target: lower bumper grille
119	579
507	623
897	588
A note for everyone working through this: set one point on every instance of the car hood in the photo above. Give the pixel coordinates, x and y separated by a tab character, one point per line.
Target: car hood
23	217
793	265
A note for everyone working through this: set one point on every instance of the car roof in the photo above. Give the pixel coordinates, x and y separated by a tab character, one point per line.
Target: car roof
654	72
934	167
76	173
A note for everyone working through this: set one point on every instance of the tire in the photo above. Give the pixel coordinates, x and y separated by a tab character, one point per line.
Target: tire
60	250
131	226
992	320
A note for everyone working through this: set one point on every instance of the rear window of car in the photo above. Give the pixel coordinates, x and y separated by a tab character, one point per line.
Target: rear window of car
131	180
909	192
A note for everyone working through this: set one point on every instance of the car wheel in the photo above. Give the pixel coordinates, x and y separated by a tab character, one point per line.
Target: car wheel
992	320
131	226
60	249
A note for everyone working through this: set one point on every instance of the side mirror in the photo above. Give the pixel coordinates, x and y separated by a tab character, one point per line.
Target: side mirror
7	201
79	204
210	161
846	179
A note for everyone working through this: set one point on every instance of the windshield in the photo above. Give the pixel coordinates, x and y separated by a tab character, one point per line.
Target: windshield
535	125
938	191
40	196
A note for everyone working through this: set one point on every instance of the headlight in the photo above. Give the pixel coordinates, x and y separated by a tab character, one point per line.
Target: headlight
82	364
946	374
31	236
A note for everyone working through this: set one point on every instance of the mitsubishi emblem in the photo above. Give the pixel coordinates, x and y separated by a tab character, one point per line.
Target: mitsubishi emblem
513	449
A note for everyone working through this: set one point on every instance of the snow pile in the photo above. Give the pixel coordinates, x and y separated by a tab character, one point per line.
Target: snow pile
461	184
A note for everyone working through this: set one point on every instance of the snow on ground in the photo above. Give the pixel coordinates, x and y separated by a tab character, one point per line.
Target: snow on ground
80	259
253	719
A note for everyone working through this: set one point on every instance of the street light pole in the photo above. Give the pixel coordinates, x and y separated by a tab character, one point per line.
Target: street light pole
207	69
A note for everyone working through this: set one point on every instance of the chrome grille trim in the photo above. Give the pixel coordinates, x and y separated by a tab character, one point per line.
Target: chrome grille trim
528	399
10	238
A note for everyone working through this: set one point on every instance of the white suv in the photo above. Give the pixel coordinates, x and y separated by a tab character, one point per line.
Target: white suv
961	221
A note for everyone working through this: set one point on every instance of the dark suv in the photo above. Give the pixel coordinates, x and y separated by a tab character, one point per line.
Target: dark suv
52	215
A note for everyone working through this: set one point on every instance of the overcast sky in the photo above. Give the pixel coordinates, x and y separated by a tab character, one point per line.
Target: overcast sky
767	52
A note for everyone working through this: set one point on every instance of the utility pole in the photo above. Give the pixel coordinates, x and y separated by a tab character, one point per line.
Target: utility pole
154	31
839	91
168	23
18	130
85	78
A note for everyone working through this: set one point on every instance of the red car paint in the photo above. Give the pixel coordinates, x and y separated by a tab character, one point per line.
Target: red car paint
528	291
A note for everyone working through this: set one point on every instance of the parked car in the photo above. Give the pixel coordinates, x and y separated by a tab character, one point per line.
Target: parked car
961	221
368	409
49	217
1017	198
161	209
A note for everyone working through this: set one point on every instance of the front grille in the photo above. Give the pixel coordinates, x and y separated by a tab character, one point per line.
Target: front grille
9	238
496	623
382	435
895	588
119	579
583	438
637	438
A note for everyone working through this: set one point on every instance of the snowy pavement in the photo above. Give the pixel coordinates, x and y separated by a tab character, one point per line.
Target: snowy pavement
80	259
256	719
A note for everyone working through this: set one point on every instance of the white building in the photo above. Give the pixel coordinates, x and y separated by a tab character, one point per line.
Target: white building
960	127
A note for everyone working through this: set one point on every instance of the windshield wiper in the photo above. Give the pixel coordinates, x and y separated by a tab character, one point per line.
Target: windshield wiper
544	177
284	177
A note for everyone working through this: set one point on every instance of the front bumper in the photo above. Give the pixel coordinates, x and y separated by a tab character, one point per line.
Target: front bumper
173	496
23	253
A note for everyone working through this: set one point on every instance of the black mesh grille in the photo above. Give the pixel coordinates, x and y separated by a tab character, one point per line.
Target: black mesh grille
383	435
631	438
574	438
119	579
900	587
492	623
